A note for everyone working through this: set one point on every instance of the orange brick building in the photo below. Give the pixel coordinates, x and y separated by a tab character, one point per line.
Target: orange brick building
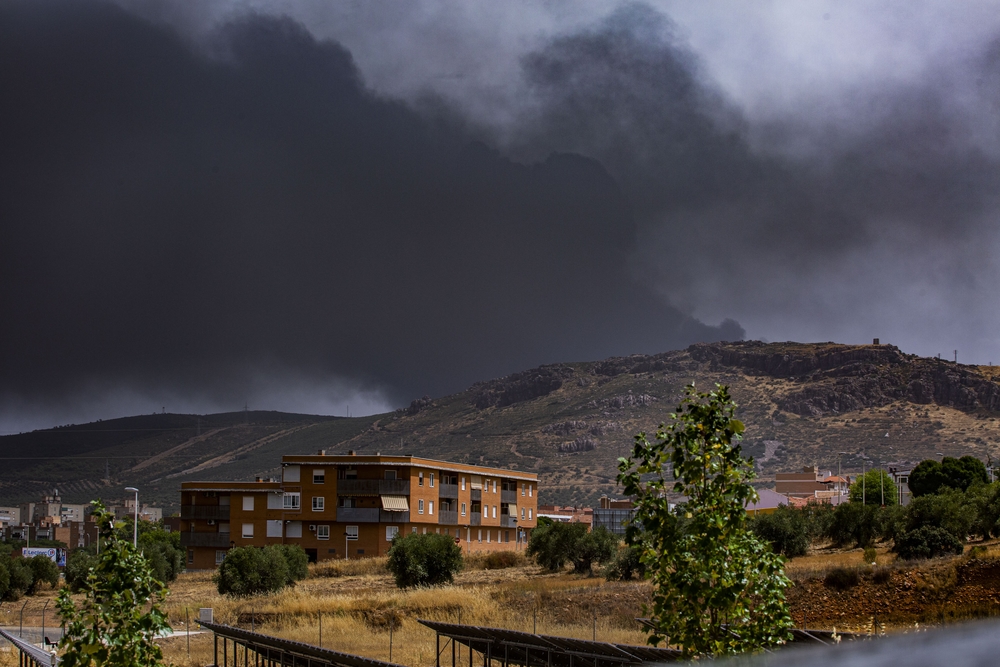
353	505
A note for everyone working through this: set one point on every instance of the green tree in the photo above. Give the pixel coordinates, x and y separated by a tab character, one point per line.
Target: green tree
930	476
21	578
948	510
553	545
120	613
247	571
786	529
43	571
857	525
297	560
424	560
718	588
875	487
927	542
4	579
78	566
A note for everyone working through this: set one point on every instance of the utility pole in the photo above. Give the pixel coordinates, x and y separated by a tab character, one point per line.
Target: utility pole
956	356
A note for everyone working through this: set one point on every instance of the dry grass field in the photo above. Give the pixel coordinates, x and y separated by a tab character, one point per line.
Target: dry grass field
356	602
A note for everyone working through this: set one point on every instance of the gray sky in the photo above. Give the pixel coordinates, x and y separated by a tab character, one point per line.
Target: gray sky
309	205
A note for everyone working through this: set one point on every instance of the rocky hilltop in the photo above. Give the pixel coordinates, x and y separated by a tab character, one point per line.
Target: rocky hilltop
804	404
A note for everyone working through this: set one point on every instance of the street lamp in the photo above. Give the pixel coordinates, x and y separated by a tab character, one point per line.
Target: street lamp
135	522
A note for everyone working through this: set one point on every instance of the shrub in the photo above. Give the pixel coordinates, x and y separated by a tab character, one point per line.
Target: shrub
162	549
21	579
841	578
949	510
787	529
43	571
882	575
247	571
854	524
297	560
424	560
4	579
499	560
927	542
626	564
78	567
870	555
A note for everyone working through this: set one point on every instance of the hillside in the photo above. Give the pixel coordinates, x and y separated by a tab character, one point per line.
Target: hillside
802	403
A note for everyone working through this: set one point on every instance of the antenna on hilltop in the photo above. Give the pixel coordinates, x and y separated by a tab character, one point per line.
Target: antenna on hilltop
956	356
246	413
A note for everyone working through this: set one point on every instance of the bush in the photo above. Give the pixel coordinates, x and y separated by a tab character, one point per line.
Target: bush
499	560
870	555
626	564
882	575
4	579
21	578
43	571
787	529
247	571
841	578
927	542
424	560
163	551
78	567
297	560
949	510
854	524
553	545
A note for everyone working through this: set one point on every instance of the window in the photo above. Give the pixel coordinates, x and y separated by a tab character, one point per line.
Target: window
347	502
529	514
420	479
463	509
522	514
489	536
274	501
494	511
486	485
430	507
248	530
425	530
319	503
191	557
529	490
390	474
420	506
414	530
506	536
463	484
522	488
480	535
274	527
352	532
494	486
319	476
224	527
290	474
432	480
323	532
391	532
351	473
293	529
248	503
291	501
219	557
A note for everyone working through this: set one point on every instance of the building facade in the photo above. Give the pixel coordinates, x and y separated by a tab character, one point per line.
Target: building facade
352	506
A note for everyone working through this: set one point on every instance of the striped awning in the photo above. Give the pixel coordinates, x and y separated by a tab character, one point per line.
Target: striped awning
395	504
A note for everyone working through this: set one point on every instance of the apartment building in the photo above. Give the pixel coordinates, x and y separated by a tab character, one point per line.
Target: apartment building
337	506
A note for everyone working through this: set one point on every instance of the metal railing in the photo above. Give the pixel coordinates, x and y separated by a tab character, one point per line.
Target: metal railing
508	496
373	487
218	540
216	512
30	655
448	491
358	514
385	516
476	494
448	517
475	519
508	521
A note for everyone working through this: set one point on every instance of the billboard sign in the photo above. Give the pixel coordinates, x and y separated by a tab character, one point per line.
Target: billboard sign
58	556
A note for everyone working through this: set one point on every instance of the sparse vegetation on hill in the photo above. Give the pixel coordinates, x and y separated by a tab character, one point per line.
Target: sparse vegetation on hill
569	422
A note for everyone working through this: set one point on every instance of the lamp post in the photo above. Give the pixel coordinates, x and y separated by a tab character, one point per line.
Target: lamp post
135	521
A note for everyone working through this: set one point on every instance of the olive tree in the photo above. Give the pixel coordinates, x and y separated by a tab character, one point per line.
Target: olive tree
718	588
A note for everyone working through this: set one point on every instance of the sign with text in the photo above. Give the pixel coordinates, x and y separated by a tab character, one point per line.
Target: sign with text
58	556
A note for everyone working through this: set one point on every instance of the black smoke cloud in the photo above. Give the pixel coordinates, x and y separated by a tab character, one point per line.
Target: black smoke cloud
186	219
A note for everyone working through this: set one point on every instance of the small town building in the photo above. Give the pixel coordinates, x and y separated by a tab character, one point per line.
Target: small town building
352	506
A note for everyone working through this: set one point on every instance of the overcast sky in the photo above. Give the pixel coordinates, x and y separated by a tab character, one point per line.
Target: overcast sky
308	205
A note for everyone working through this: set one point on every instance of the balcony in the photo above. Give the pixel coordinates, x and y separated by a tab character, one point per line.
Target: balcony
217	540
204	512
392	517
358	514
476	495
508	496
448	517
448	491
373	487
508	521
475	519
